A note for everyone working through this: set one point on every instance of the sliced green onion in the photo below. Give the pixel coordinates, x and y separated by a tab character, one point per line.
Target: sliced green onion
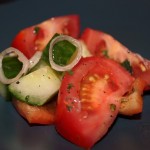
11	52
74	59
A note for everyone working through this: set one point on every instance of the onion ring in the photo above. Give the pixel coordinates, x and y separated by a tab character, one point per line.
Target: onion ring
74	62
35	59
21	57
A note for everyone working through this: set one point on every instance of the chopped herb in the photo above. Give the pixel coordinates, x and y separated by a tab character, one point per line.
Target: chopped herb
69	107
70	72
36	30
105	53
126	64
112	107
70	85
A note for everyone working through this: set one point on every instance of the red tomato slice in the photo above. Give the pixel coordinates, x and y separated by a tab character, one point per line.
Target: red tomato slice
102	44
34	38
132	102
145	75
36	114
89	100
94	41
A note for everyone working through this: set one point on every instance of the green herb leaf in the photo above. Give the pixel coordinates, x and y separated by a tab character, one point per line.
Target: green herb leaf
69	107
112	107
70	72
11	66
127	66
36	30
70	85
62	52
105	53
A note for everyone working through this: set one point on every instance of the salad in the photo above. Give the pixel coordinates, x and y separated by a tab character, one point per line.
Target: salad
78	82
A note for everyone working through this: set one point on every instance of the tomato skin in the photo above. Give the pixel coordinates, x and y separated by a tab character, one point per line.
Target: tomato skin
84	126
24	41
94	42
99	42
36	37
44	115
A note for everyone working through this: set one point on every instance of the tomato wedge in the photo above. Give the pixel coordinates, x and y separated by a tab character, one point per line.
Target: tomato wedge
103	44
89	100
34	38
132	102
36	114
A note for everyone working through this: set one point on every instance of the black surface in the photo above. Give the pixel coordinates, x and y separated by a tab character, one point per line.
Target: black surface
128	21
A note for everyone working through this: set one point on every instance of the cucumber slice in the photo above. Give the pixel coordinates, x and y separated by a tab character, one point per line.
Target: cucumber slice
37	87
39	65
42	64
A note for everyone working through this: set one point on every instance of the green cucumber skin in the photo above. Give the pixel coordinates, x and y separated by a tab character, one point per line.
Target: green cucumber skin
37	87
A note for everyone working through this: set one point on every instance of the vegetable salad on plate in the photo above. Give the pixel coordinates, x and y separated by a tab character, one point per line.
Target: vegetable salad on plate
79	82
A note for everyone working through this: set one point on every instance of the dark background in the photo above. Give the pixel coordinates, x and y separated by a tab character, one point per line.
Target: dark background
128	21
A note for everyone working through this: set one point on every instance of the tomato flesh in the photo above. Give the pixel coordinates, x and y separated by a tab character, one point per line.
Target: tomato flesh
103	44
36	37
36	114
89	100
94	42
132	102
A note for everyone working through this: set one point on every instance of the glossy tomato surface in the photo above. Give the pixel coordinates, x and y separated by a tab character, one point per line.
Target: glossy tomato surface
102	44
89	100
128	21
36	37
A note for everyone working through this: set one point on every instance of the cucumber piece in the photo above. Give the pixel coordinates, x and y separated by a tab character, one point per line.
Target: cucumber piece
39	65
37	87
42	64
